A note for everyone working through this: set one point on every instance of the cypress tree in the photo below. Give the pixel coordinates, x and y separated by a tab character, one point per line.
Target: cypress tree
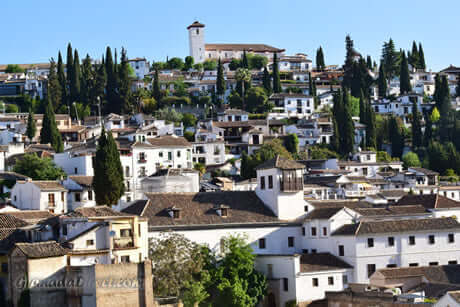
220	80
100	84
69	69
88	80
356	85
362	109
244	61
62	78
428	135
404	78
390	59
421	57
414	58
396	137
267	82
49	133
349	61
156	93
382	82
31	126
108	173
111	90
320	65
124	104
348	126
416	127
371	127
457	88
276	75
310	85
54	88
369	62
437	95
337	115
75	80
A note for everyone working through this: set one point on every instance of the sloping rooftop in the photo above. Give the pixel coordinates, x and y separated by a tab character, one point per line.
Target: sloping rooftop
425	171
429	201
323	213
84	181
244	207
169	141
392	210
449	274
321	262
49	185
42	249
31	216
281	163
398	226
240	47
10	221
98	211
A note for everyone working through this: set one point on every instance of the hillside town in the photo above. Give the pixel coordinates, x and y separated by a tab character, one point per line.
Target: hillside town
240	175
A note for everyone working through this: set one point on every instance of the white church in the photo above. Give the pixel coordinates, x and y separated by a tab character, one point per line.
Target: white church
200	51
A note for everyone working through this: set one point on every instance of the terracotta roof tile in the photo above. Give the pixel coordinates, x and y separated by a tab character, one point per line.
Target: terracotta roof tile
169	141
98	211
321	262
42	249
281	163
10	221
49	185
84	181
32	216
429	201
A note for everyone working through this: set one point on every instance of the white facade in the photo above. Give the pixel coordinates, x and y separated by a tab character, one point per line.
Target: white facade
212	153
140	66
81	164
196	42
27	195
293	105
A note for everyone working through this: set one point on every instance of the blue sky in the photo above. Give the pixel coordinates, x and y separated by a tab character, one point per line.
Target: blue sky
33	31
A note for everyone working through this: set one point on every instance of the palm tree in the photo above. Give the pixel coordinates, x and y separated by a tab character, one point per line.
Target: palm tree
243	75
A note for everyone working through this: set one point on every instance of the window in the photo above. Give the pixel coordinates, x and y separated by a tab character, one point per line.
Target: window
451	262
324	231
411	240
262	243
125	233
64	229
90	195
124	259
285	284
270	270
51	198
313	231
262	182
370	269
169	155
314	282
178	153
391	265
433	263
77	197
345	279
290	241
139	229
89	242
313	251
330	281
62	196
160	154
303	231
127	171
270	182
341	250
223	212
391	241
365	171
305	208
451	238
176	214
142	157
142	172
370	242
413	264
76	170
431	239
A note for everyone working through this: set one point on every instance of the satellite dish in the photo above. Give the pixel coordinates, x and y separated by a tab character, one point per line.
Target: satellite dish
112	233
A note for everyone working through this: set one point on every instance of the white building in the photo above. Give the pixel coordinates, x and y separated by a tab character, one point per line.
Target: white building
292	105
80	192
140	66
40	195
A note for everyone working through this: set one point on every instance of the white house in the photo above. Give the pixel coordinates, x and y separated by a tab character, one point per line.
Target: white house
140	66
290	104
80	192
40	195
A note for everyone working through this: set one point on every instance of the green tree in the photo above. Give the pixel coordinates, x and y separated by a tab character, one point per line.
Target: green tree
87	82
235	281
235	101
69	69
348	135
31	126
169	115
108	173
189	120
390	59
276	75
414	57
383	156
320	153
37	168
62	78
188	63
371	126
257	100
11	108
320	65
189	136
291	142
396	136
417	137
175	63
349	62
457	88
220	80
243	76
369	63
404	77
156	92
244	60
111	86
382	82
124	85
175	262
75	79
54	93
257	62
435	116
234	64
411	159
210	65
13	68
49	133
267	82
421	57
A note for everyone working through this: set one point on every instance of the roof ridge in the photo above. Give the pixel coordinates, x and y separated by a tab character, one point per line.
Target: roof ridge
358	228
145	207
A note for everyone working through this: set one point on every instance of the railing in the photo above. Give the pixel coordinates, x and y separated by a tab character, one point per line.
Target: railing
123	242
292	185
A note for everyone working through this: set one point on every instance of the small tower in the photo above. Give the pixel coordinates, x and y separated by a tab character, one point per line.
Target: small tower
280	187
196	41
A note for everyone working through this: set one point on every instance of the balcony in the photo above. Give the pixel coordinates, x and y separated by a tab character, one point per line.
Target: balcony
292	184
123	242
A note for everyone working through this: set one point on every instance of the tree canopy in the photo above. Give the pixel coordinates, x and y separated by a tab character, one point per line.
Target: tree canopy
37	168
